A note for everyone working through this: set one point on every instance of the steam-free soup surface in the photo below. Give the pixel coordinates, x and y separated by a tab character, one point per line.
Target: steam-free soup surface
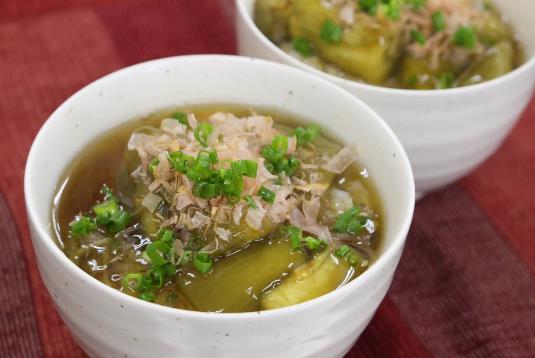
219	208
413	44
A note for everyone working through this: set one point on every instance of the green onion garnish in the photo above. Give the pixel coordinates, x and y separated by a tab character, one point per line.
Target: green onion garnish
213	157
295	234
132	281
266	194
181	117
181	162
147	296
313	243
445	80
439	21
167	235
275	155
418	36
247	168
82	226
157	276
201	133
157	252
250	202
153	164
417	4
345	252
207	190
331	32
232	182
306	135
394	9
350	221
342	251
303	46
202	262
465	36
369	6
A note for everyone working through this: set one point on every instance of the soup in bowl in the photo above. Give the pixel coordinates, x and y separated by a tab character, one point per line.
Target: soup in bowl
179	205
450	77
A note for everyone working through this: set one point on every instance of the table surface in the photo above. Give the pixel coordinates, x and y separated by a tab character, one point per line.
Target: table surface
465	284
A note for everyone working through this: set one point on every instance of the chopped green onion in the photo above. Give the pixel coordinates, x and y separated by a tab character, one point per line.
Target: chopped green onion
207	190
181	117
303	46
167	235
202	262
331	32
250	202
181	162
213	157
247	168
147	296
353	259
345	252
342	251
157	276
266	194
132	281
108	194
349	221
275	155
153	164
306	135
439	21
369	6
157	252
293	164
233	184
201	133
118	222
202	169
445	80
394	9
82	226
105	210
295	234
418	36
313	243
465	36
417	4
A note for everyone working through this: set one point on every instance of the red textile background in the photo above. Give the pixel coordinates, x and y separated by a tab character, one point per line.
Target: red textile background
465	285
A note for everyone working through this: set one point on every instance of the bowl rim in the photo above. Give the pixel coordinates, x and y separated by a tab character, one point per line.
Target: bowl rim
349	84
44	235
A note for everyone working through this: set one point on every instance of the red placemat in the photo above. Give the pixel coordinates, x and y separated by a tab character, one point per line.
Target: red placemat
465	285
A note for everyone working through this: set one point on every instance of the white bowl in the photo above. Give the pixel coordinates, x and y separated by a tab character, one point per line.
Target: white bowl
108	323
446	133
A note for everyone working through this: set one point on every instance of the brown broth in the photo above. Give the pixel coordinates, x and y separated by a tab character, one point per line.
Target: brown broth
103	162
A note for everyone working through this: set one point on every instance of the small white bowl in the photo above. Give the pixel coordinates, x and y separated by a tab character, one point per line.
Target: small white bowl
108	323
446	133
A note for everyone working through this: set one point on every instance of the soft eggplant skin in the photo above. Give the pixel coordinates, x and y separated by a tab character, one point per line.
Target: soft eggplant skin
236	282
368	49
495	62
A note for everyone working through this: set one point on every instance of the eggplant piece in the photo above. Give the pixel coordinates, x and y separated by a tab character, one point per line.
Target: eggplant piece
417	73
236	282
271	17
323	274
368	49
495	62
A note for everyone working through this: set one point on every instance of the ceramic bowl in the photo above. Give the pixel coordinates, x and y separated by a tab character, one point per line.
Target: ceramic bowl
446	133
108	323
